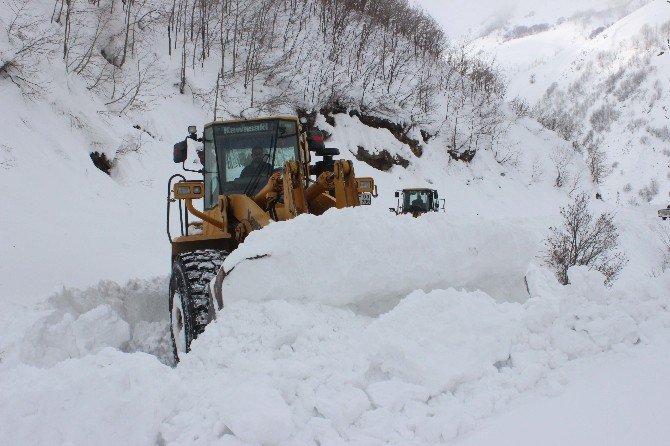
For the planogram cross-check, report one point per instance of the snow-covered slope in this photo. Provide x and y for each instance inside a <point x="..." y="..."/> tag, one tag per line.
<point x="599" y="79"/>
<point x="56" y="113"/>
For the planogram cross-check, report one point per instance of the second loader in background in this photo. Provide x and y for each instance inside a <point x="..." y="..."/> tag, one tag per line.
<point x="417" y="201"/>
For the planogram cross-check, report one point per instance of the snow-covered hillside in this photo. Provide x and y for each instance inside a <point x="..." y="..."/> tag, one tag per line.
<point x="599" y="78"/>
<point x="59" y="107"/>
<point x="356" y="327"/>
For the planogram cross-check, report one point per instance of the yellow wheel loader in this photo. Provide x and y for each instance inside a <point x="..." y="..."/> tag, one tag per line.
<point x="254" y="171"/>
<point x="417" y="202"/>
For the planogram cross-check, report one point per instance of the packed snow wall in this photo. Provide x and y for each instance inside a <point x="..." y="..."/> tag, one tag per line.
<point x="369" y="259"/>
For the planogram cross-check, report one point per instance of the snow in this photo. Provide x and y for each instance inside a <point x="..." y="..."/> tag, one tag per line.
<point x="466" y="22"/>
<point x="612" y="56"/>
<point x="356" y="327"/>
<point x="83" y="401"/>
<point x="307" y="363"/>
<point x="618" y="399"/>
<point x="386" y="330"/>
<point x="75" y="323"/>
<point x="385" y="259"/>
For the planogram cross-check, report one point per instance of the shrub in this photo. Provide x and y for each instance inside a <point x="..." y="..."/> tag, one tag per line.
<point x="520" y="107"/>
<point x="583" y="240"/>
<point x="561" y="157"/>
<point x="662" y="133"/>
<point x="602" y="118"/>
<point x="520" y="31"/>
<point x="631" y="85"/>
<point x="596" y="161"/>
<point x="648" y="192"/>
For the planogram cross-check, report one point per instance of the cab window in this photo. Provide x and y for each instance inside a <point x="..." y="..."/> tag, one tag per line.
<point x="418" y="200"/>
<point x="249" y="152"/>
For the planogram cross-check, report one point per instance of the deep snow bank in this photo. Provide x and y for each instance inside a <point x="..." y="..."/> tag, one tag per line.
<point x="589" y="412"/>
<point x="369" y="259"/>
<point x="324" y="340"/>
<point x="422" y="373"/>
<point x="75" y="323"/>
<point x="361" y="258"/>
<point x="290" y="372"/>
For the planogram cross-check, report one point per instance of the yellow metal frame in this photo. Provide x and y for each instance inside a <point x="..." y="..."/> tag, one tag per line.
<point x="236" y="215"/>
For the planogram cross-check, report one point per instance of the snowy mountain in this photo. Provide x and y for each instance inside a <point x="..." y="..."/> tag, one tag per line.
<point x="465" y="22"/>
<point x="597" y="76"/>
<point x="359" y="326"/>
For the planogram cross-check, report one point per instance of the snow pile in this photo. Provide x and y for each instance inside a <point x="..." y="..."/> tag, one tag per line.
<point x="76" y="323"/>
<point x="369" y="266"/>
<point x="110" y="398"/>
<point x="379" y="258"/>
<point x="286" y="371"/>
<point x="422" y="373"/>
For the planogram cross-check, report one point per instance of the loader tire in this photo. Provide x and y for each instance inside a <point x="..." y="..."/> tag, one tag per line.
<point x="189" y="302"/>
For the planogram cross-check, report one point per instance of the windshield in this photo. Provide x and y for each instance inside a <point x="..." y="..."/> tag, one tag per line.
<point x="418" y="201"/>
<point x="249" y="152"/>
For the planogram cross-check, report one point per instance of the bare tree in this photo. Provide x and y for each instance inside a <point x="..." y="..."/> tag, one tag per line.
<point x="132" y="91"/>
<point x="30" y="40"/>
<point x="381" y="57"/>
<point x="664" y="239"/>
<point x="554" y="112"/>
<point x="583" y="240"/>
<point x="596" y="161"/>
<point x="537" y="171"/>
<point x="520" y="107"/>
<point x="596" y="158"/>
<point x="648" y="192"/>
<point x="562" y="159"/>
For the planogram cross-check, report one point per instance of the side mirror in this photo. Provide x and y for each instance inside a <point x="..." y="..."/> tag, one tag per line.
<point x="392" y="209"/>
<point x="397" y="194"/>
<point x="179" y="152"/>
<point x="435" y="194"/>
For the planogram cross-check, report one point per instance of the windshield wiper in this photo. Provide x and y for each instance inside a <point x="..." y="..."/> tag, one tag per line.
<point x="253" y="182"/>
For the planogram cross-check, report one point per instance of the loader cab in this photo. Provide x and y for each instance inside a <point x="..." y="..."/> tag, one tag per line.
<point x="417" y="201"/>
<point x="420" y="200"/>
<point x="240" y="156"/>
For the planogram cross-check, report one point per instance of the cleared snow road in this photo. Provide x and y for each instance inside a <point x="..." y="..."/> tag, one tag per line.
<point x="616" y="399"/>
